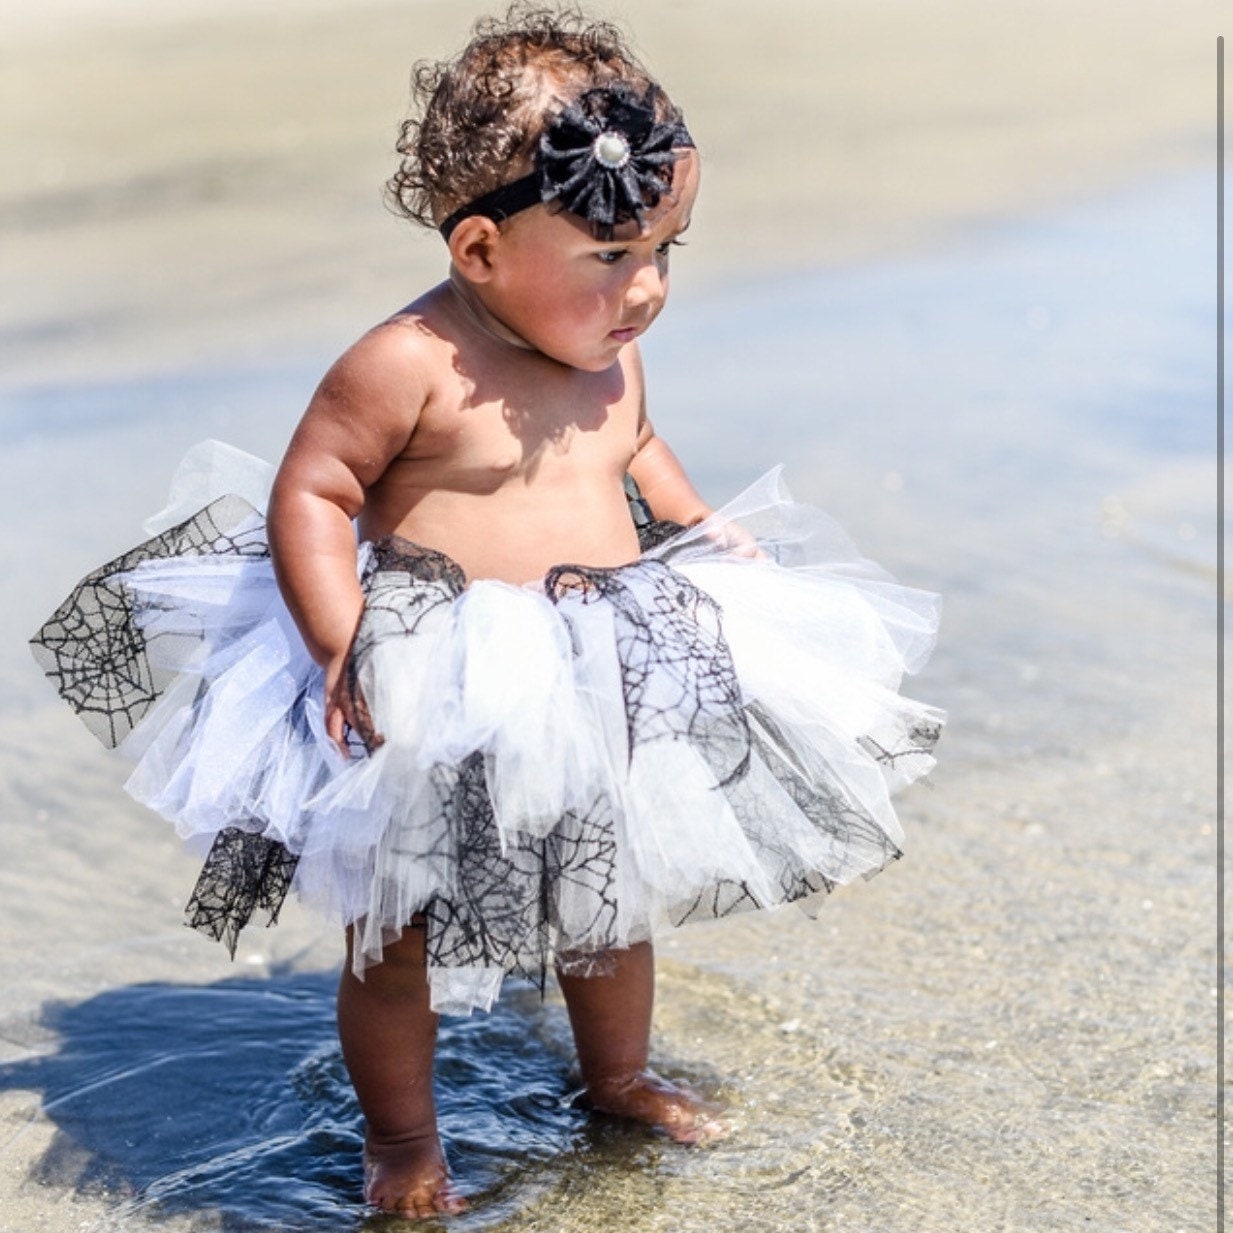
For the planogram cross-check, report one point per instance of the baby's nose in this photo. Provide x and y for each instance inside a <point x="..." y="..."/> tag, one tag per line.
<point x="648" y="286"/>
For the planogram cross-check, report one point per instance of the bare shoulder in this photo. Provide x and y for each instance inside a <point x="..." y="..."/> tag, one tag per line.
<point x="389" y="372"/>
<point x="369" y="402"/>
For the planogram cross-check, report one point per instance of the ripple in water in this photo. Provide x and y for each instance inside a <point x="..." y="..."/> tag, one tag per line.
<point x="230" y="1102"/>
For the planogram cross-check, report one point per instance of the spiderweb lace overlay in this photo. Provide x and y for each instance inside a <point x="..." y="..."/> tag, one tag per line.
<point x="917" y="742"/>
<point x="677" y="675"/>
<point x="510" y="902"/>
<point x="403" y="582"/>
<point x="94" y="652"/>
<point x="856" y="838"/>
<point x="531" y="902"/>
<point x="244" y="874"/>
<point x="506" y="912"/>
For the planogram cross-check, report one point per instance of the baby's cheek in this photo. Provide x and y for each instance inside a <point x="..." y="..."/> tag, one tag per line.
<point x="587" y="314"/>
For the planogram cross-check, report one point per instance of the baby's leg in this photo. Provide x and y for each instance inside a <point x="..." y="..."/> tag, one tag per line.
<point x="389" y="1034"/>
<point x="611" y="1018"/>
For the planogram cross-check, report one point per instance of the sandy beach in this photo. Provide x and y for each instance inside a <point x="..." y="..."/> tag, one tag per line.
<point x="956" y="259"/>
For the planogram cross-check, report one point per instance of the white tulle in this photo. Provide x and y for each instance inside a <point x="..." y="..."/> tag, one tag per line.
<point x="209" y="470"/>
<point x="820" y="639"/>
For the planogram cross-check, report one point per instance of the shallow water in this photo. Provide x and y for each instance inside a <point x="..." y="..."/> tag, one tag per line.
<point x="1011" y="1029"/>
<point x="240" y="1083"/>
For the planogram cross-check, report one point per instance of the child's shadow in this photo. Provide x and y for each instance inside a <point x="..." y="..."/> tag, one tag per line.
<point x="232" y="1099"/>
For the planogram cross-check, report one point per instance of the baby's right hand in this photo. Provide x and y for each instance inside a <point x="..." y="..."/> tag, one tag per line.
<point x="345" y="708"/>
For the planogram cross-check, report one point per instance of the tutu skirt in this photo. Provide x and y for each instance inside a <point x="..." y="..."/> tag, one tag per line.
<point x="554" y="770"/>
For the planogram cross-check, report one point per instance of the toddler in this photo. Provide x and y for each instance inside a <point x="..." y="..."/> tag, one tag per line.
<point x="515" y="728"/>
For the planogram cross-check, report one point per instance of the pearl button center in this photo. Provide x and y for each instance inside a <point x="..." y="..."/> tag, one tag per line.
<point x="611" y="150"/>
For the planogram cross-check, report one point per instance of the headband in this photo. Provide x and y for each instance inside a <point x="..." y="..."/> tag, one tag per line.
<point x="604" y="158"/>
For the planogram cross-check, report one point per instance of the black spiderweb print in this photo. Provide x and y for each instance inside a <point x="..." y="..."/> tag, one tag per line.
<point x="507" y="911"/>
<point x="244" y="874"/>
<point x="677" y="674"/>
<point x="403" y="582"/>
<point x="92" y="649"/>
<point x="917" y="742"/>
<point x="523" y="907"/>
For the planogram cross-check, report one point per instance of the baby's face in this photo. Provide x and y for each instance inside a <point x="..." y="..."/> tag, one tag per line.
<point x="578" y="299"/>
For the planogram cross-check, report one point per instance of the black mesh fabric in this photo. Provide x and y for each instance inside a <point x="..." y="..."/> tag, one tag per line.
<point x="677" y="682"/>
<point x="94" y="652"/>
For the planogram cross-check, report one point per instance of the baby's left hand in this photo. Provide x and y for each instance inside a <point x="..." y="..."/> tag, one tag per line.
<point x="733" y="538"/>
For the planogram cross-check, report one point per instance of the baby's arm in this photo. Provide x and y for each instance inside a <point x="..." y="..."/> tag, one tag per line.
<point x="359" y="419"/>
<point x="656" y="469"/>
<point x="666" y="488"/>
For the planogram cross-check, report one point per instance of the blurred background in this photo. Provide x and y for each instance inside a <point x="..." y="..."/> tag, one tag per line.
<point x="187" y="183"/>
<point x="954" y="264"/>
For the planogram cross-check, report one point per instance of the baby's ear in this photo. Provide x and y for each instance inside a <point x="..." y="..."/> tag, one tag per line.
<point x="471" y="245"/>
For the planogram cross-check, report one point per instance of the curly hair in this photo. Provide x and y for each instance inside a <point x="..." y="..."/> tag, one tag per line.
<point x="475" y="119"/>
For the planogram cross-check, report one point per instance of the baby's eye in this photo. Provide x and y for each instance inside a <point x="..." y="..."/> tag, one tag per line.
<point x="663" y="249"/>
<point x="612" y="255"/>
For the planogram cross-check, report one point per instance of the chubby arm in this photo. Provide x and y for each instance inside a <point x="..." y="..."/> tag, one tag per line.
<point x="656" y="469"/>
<point x="666" y="488"/>
<point x="360" y="418"/>
<point x="662" y="481"/>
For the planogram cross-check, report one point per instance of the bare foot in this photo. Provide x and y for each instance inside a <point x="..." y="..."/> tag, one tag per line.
<point x="676" y="1110"/>
<point x="410" y="1178"/>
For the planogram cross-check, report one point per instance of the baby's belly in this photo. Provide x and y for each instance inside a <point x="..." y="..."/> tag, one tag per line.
<point x="517" y="534"/>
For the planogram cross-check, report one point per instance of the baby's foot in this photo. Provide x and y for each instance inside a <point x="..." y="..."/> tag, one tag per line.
<point x="676" y="1110"/>
<point x="410" y="1178"/>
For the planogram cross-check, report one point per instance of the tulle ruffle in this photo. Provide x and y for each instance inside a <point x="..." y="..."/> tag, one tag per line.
<point x="563" y="768"/>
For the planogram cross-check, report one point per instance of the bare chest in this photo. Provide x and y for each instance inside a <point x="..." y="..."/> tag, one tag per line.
<point x="472" y="439"/>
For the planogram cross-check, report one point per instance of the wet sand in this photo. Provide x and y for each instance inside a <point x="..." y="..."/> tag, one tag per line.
<point x="1012" y="1028"/>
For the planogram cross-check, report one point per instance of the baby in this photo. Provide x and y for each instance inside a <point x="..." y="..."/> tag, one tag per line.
<point x="494" y="419"/>
<point x="532" y="717"/>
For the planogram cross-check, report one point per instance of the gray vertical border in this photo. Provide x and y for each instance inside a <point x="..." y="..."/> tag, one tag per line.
<point x="1220" y="1110"/>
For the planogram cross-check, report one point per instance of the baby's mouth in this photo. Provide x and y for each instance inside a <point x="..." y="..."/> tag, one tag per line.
<point x="627" y="332"/>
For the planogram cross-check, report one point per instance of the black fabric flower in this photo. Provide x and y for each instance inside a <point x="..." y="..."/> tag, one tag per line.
<point x="606" y="159"/>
